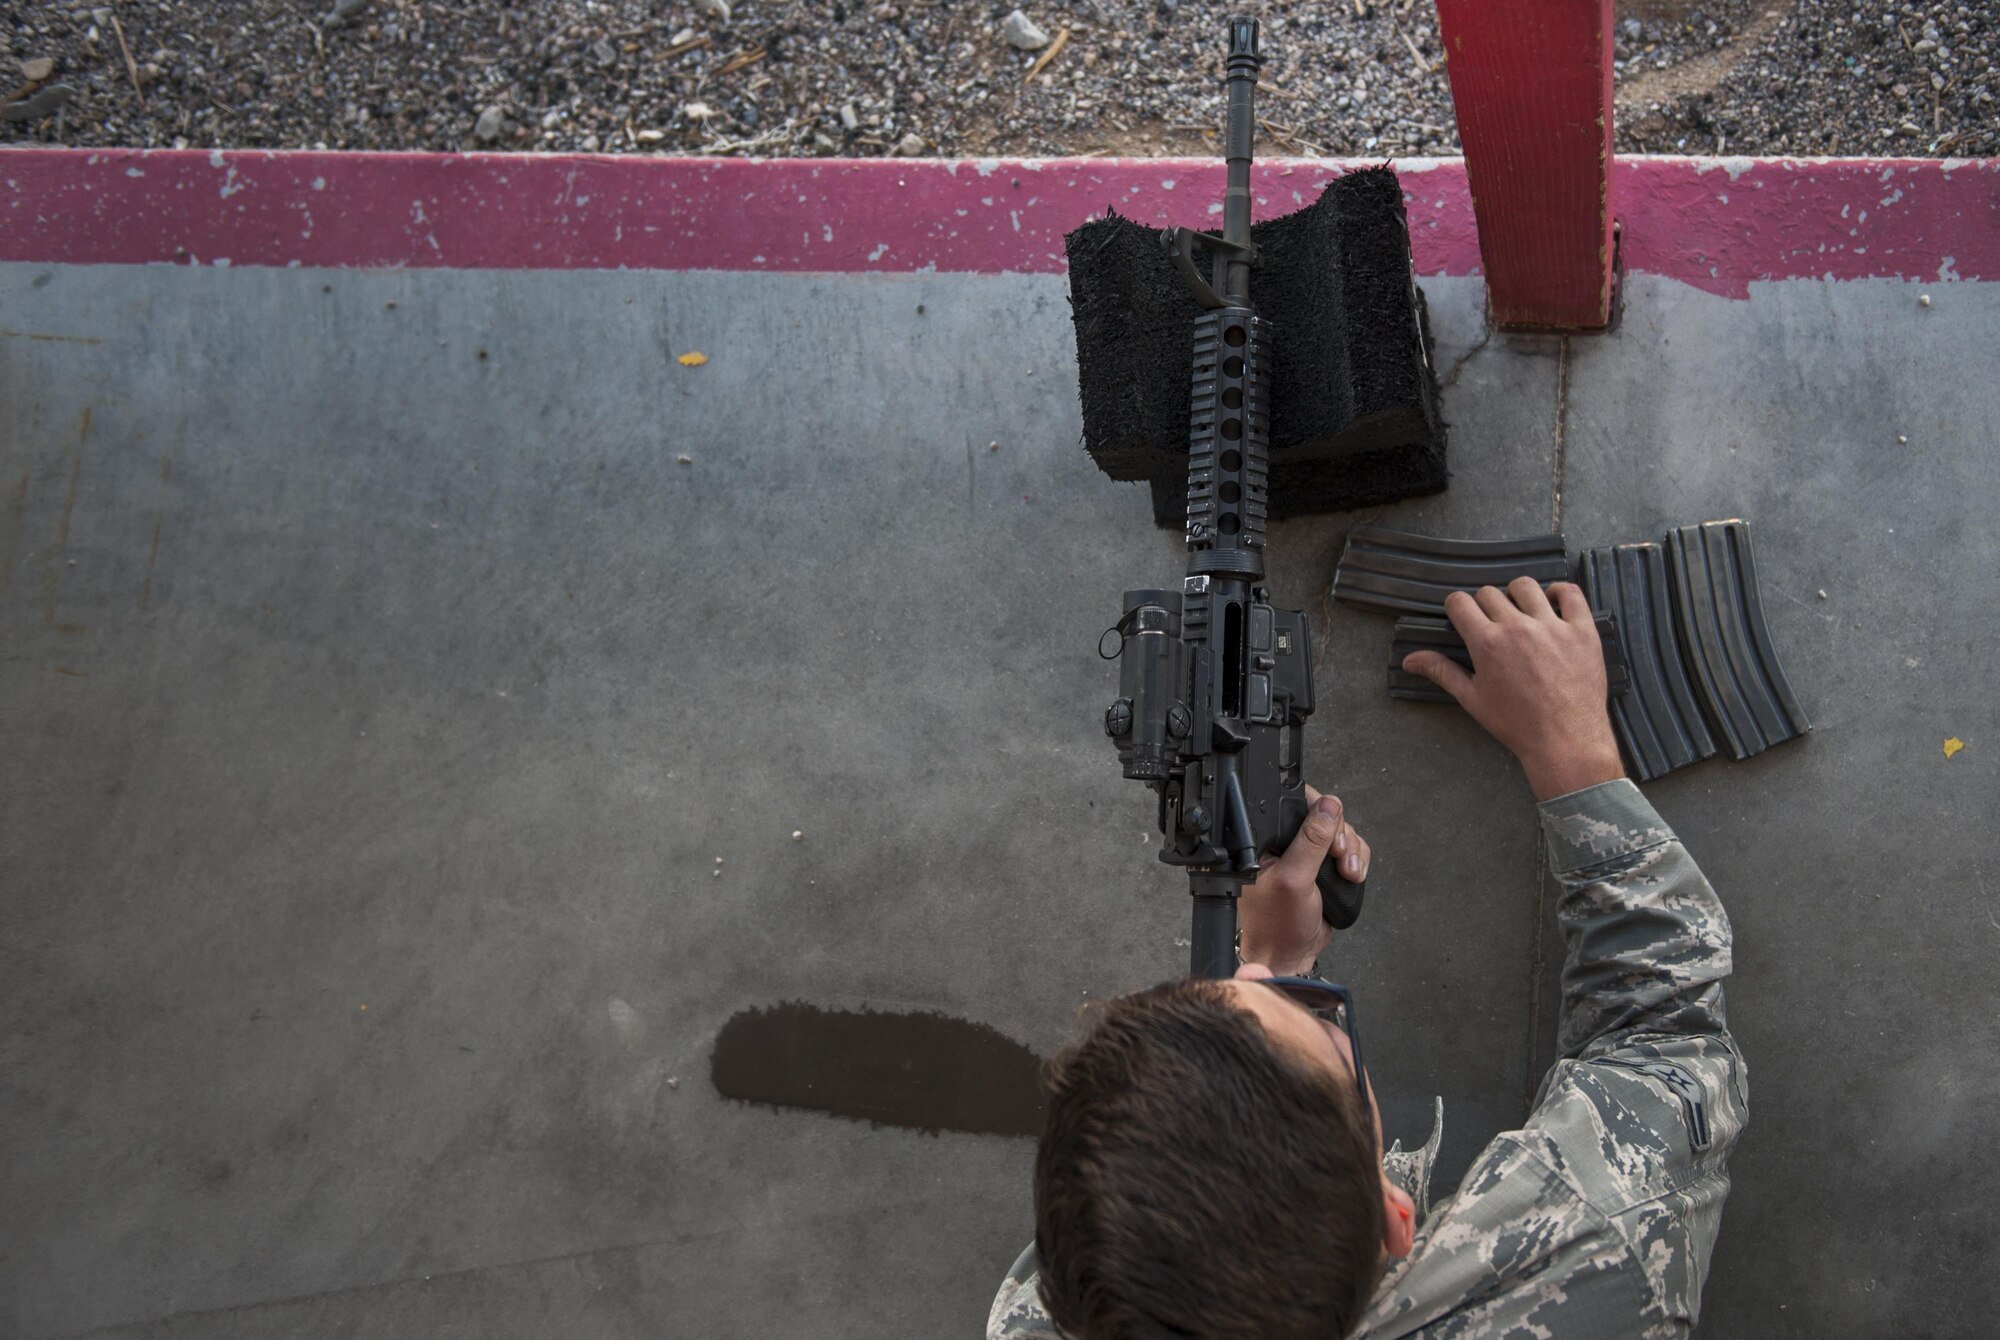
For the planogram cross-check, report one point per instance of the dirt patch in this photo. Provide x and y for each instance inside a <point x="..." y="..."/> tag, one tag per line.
<point x="1826" y="77"/>
<point x="1700" y="73"/>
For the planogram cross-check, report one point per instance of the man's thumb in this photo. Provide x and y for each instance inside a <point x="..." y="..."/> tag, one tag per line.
<point x="1440" y="670"/>
<point x="1317" y="833"/>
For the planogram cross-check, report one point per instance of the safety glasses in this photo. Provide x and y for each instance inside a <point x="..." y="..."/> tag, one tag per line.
<point x="1332" y="1004"/>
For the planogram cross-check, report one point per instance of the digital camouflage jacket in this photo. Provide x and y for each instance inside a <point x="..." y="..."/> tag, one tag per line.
<point x="1597" y="1218"/>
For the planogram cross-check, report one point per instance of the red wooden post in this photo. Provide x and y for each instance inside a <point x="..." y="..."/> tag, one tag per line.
<point x="1531" y="81"/>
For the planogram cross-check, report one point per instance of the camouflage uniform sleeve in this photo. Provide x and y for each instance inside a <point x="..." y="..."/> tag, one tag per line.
<point x="1647" y="941"/>
<point x="1645" y="1105"/>
<point x="1599" y="1216"/>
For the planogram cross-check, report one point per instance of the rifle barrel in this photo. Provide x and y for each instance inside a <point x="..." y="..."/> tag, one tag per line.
<point x="1233" y="266"/>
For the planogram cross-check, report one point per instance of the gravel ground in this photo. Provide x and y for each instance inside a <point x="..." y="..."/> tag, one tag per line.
<point x="1905" y="81"/>
<point x="930" y="77"/>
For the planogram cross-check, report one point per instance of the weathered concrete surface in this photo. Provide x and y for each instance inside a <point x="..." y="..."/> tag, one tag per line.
<point x="445" y="684"/>
<point x="1860" y="866"/>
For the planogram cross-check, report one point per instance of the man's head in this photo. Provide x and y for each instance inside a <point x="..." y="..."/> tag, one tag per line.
<point x="1209" y="1168"/>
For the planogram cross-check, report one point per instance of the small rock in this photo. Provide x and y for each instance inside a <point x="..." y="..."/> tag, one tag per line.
<point x="714" y="9"/>
<point x="698" y="111"/>
<point x="686" y="459"/>
<point x="1822" y="595"/>
<point x="342" y="11"/>
<point x="37" y="105"/>
<point x="552" y="117"/>
<point x="684" y="35"/>
<point x="1910" y="128"/>
<point x="1021" y="33"/>
<point x="491" y="123"/>
<point x="1924" y="48"/>
<point x="38" y="69"/>
<point x="603" y="52"/>
<point x="673" y="1081"/>
<point x="993" y="446"/>
<point x="590" y="143"/>
<point x="824" y="142"/>
<point x="798" y="835"/>
<point x="102" y="18"/>
<point x="1902" y="440"/>
<point x="849" y="118"/>
<point x="1923" y="300"/>
<point x="1634" y="29"/>
<point x="650" y="136"/>
<point x="910" y="146"/>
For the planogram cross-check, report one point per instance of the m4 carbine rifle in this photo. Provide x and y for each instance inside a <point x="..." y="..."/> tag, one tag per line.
<point x="1215" y="684"/>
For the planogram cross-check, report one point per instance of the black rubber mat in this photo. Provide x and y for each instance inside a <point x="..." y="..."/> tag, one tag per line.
<point x="1720" y="618"/>
<point x="1419" y="633"/>
<point x="1412" y="574"/>
<point x="1659" y="723"/>
<point x="1355" y="415"/>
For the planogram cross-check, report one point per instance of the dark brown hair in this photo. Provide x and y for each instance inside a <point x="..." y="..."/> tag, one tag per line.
<point x="1195" y="1180"/>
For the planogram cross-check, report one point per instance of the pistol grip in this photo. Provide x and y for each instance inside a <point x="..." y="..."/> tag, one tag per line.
<point x="1339" y="901"/>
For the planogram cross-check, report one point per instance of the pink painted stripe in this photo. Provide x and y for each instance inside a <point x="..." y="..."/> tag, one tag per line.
<point x="508" y="211"/>
<point x="1721" y="224"/>
<point x="1716" y="225"/>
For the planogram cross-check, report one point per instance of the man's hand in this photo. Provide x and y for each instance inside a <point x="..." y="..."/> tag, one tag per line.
<point x="1537" y="683"/>
<point x="1280" y="914"/>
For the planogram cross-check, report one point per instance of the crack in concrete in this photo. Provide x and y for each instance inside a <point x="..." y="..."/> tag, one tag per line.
<point x="1562" y="434"/>
<point x="1537" y="963"/>
<point x="1538" y="941"/>
<point x="1458" y="366"/>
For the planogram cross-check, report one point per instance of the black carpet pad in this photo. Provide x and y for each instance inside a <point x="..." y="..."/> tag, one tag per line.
<point x="1355" y="417"/>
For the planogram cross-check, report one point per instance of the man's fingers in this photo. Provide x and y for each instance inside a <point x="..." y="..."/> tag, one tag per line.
<point x="1440" y="670"/>
<point x="1465" y="614"/>
<point x="1573" y="604"/>
<point x="1345" y="839"/>
<point x="1495" y="603"/>
<point x="1354" y="864"/>
<point x="1527" y="596"/>
<point x="1315" y="837"/>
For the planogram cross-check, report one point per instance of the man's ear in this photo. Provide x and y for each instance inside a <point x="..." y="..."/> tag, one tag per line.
<point x="1399" y="1220"/>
